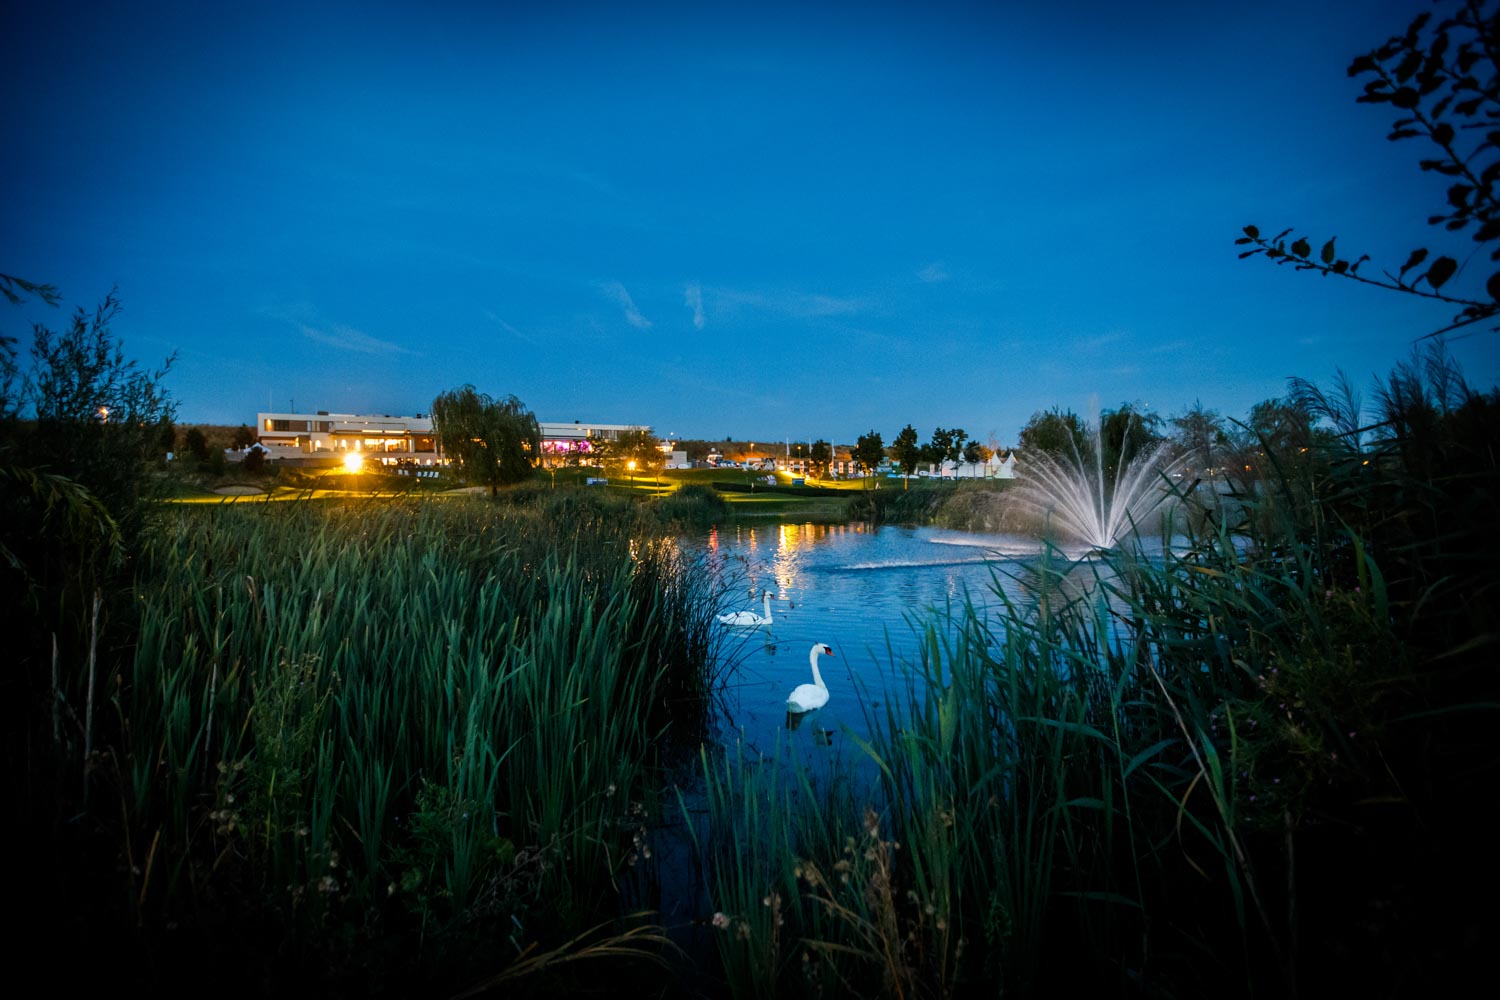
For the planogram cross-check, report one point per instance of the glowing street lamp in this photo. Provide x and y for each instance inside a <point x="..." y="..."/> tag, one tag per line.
<point x="353" y="462"/>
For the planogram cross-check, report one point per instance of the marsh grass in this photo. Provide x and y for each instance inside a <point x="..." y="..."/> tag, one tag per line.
<point x="1203" y="771"/>
<point x="374" y="734"/>
<point x="420" y="745"/>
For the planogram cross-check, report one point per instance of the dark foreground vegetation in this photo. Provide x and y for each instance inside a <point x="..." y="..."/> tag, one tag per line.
<point x="420" y="747"/>
<point x="358" y="747"/>
<point x="1260" y="767"/>
<point x="423" y="746"/>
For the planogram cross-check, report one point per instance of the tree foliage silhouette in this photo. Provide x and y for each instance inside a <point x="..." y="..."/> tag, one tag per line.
<point x="1443" y="78"/>
<point x="906" y="452"/>
<point x="868" y="451"/>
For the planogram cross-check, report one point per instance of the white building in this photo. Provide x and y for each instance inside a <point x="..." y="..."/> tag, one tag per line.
<point x="380" y="437"/>
<point x="561" y="441"/>
<point x="393" y="439"/>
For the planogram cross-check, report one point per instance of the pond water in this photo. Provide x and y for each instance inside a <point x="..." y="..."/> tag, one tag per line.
<point x="860" y="589"/>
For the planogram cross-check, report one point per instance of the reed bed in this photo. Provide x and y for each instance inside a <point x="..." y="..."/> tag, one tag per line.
<point x="384" y="740"/>
<point x="1200" y="773"/>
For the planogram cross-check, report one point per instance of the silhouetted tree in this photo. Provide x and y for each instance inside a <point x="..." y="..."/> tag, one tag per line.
<point x="639" y="445"/>
<point x="77" y="430"/>
<point x="96" y="415"/>
<point x="906" y="453"/>
<point x="15" y="289"/>
<point x="243" y="438"/>
<point x="936" y="450"/>
<point x="195" y="443"/>
<point x="821" y="454"/>
<point x="1444" y="80"/>
<point x="1201" y="434"/>
<point x="166" y="436"/>
<point x="868" y="451"/>
<point x="977" y="453"/>
<point x="1056" y="432"/>
<point x="1125" y="432"/>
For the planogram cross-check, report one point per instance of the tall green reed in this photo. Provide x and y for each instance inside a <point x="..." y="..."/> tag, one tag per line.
<point x="1092" y="785"/>
<point x="398" y="718"/>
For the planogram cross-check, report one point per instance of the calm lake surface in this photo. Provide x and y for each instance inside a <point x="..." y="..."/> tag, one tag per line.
<point x="858" y="588"/>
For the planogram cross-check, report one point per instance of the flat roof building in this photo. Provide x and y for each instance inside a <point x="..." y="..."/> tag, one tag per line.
<point x="381" y="437"/>
<point x="397" y="439"/>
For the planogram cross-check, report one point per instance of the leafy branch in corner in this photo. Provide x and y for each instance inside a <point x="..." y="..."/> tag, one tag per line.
<point x="1446" y="80"/>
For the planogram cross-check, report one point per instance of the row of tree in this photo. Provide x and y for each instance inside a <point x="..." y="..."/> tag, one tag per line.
<point x="496" y="442"/>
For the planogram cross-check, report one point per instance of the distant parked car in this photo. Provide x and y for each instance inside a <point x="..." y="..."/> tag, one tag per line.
<point x="596" y="481"/>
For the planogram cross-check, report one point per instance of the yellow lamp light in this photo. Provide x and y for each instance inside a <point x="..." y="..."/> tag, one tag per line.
<point x="353" y="462"/>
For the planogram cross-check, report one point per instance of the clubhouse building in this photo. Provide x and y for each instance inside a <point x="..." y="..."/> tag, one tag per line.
<point x="321" y="438"/>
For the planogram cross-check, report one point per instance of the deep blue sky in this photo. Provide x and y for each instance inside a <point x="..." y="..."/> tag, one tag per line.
<point x="756" y="220"/>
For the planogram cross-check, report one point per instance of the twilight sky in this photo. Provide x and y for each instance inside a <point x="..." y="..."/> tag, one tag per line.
<point x="755" y="220"/>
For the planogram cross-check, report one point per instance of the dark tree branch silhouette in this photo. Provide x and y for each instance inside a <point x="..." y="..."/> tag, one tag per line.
<point x="1446" y="79"/>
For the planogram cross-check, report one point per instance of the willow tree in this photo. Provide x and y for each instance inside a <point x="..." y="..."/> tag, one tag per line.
<point x="493" y="442"/>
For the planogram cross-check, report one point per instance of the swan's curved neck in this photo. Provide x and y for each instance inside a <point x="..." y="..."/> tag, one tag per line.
<point x="768" y="605"/>
<point x="813" y="659"/>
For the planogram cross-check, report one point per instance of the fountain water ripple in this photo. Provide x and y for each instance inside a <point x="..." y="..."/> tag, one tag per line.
<point x="1082" y="503"/>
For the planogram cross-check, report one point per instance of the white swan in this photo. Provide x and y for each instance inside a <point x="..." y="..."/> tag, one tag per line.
<point x="748" y="619"/>
<point x="806" y="697"/>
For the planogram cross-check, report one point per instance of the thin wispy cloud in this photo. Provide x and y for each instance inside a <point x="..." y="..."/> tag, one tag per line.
<point x="304" y="317"/>
<point x="797" y="305"/>
<point x="349" y="339"/>
<point x="934" y="273"/>
<point x="616" y="293"/>
<point x="693" y="299"/>
<point x="493" y="317"/>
